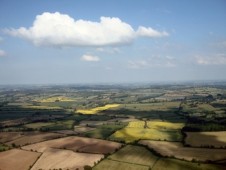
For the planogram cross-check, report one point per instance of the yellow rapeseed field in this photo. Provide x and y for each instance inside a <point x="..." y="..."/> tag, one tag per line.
<point x="155" y="130"/>
<point x="41" y="107"/>
<point x="97" y="109"/>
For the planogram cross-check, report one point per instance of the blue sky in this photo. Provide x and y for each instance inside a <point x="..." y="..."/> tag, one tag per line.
<point x="99" y="41"/>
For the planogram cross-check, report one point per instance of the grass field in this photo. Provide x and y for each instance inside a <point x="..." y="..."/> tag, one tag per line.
<point x="65" y="159"/>
<point x="173" y="164"/>
<point x="17" y="159"/>
<point x="103" y="131"/>
<point x="97" y="109"/>
<point x="129" y="157"/>
<point x="177" y="150"/>
<point x="113" y="165"/>
<point x="206" y="139"/>
<point x="134" y="155"/>
<point x="51" y="125"/>
<point x="155" y="130"/>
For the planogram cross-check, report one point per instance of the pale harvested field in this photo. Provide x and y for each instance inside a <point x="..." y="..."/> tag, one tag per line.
<point x="177" y="150"/>
<point x="17" y="159"/>
<point x="82" y="129"/>
<point x="30" y="138"/>
<point x="74" y="143"/>
<point x="9" y="136"/>
<point x="65" y="159"/>
<point x="206" y="139"/>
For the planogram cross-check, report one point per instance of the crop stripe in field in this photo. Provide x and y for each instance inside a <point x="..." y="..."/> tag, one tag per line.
<point x="155" y="162"/>
<point x="127" y="162"/>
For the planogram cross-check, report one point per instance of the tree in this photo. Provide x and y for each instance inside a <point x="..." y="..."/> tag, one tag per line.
<point x="87" y="167"/>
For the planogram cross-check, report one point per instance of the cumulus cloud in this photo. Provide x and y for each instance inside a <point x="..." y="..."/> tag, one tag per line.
<point x="150" y="32"/>
<point x="56" y="29"/>
<point x="217" y="59"/>
<point x="90" y="58"/>
<point x="2" y="53"/>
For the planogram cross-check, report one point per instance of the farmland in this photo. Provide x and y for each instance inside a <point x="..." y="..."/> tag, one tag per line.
<point x="17" y="158"/>
<point x="97" y="109"/>
<point x="55" y="159"/>
<point x="206" y="139"/>
<point x="76" y="144"/>
<point x="177" y="150"/>
<point x="113" y="127"/>
<point x="155" y="130"/>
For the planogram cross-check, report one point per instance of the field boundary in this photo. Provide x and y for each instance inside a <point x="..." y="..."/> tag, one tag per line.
<point x="127" y="162"/>
<point x="36" y="160"/>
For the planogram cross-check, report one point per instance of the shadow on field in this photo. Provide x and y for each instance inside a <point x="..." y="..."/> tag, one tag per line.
<point x="205" y="139"/>
<point x="18" y="115"/>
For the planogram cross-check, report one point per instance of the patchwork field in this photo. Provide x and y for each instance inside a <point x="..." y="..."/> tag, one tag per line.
<point x="17" y="159"/>
<point x="65" y="159"/>
<point x="206" y="139"/>
<point x="177" y="150"/>
<point x="97" y="109"/>
<point x="33" y="137"/>
<point x="154" y="130"/>
<point x="150" y="119"/>
<point x="76" y="144"/>
<point x="133" y="157"/>
<point x="129" y="157"/>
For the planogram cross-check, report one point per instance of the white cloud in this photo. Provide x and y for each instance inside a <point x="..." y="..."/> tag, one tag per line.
<point x="218" y="59"/>
<point x="138" y="64"/>
<point x="150" y="32"/>
<point x="2" y="53"/>
<point x="108" y="50"/>
<point x="152" y="62"/>
<point x="90" y="58"/>
<point x="56" y="29"/>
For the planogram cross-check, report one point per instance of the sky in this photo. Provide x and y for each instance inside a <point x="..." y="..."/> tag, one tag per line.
<point x="114" y="41"/>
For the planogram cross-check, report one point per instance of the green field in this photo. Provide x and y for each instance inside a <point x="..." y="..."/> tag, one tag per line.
<point x="104" y="131"/>
<point x="137" y="157"/>
<point x="113" y="165"/>
<point x="173" y="164"/>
